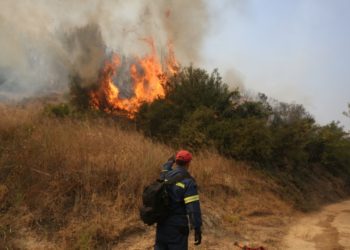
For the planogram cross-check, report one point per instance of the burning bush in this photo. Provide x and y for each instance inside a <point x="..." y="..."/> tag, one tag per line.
<point x="125" y="83"/>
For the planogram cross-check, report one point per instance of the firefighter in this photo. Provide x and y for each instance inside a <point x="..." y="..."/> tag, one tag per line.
<point x="173" y="232"/>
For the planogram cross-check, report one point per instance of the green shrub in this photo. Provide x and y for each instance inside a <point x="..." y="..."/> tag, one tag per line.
<point x="60" y="110"/>
<point x="199" y="111"/>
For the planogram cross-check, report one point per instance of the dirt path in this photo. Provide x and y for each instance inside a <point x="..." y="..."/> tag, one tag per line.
<point x="328" y="229"/>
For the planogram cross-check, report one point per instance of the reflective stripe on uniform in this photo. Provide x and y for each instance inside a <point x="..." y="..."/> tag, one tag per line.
<point x="180" y="184"/>
<point x="192" y="198"/>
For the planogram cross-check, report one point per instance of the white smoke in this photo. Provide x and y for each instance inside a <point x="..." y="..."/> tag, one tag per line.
<point x="43" y="42"/>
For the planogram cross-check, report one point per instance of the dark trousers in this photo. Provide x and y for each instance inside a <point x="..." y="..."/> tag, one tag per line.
<point x="170" y="237"/>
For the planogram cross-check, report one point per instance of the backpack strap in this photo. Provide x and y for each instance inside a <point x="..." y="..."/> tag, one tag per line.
<point x="178" y="178"/>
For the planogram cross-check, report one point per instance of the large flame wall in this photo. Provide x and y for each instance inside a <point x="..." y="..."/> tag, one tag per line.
<point x="148" y="79"/>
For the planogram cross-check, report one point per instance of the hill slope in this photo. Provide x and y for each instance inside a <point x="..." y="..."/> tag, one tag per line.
<point x="76" y="184"/>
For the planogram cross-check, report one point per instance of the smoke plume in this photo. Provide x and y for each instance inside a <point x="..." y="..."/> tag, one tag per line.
<point x="43" y="43"/>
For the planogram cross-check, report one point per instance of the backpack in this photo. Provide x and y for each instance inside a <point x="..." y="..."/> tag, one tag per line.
<point x="156" y="200"/>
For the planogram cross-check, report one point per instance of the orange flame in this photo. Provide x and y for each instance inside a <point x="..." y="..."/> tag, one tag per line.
<point x="148" y="78"/>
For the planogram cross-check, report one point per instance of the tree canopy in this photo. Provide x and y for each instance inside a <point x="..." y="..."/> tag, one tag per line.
<point x="199" y="111"/>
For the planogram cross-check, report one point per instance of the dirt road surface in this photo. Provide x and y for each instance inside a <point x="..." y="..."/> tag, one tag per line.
<point x="328" y="229"/>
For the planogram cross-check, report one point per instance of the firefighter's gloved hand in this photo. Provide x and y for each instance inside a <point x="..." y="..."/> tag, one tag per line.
<point x="172" y="158"/>
<point x="197" y="236"/>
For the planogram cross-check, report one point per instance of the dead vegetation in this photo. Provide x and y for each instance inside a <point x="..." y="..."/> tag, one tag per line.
<point x="76" y="184"/>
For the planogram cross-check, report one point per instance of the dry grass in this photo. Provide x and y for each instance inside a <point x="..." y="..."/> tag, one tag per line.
<point x="76" y="184"/>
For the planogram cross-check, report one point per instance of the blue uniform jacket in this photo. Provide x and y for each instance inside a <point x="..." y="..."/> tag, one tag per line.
<point x="184" y="199"/>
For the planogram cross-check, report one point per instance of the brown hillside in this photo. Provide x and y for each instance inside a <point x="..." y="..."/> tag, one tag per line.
<point x="76" y="184"/>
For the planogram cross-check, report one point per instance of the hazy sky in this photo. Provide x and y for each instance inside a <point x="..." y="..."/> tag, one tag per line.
<point x="292" y="50"/>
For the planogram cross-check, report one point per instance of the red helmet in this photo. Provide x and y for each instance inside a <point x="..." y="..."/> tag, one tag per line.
<point x="184" y="155"/>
